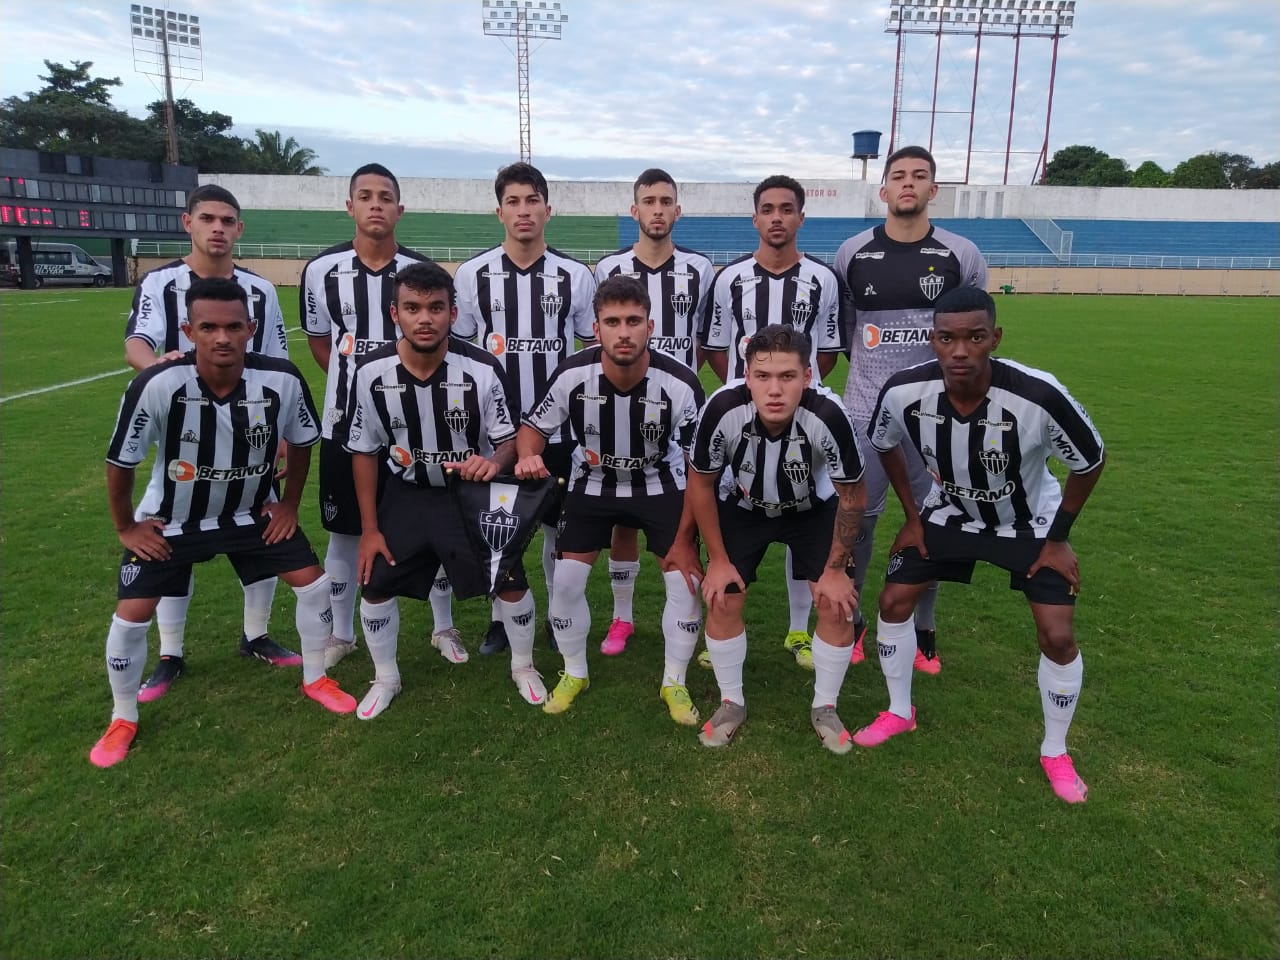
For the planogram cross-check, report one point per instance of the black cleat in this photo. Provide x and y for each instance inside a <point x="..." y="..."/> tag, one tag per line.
<point x="157" y="685"/>
<point x="495" y="639"/>
<point x="267" y="650"/>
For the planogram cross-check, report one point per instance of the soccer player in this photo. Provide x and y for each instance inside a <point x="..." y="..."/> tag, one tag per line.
<point x="346" y="295"/>
<point x="215" y="416"/>
<point x="524" y="302"/>
<point x="778" y="284"/>
<point x="790" y="454"/>
<point x="420" y="406"/>
<point x="156" y="323"/>
<point x="985" y="428"/>
<point x="894" y="273"/>
<point x="630" y="411"/>
<point x="679" y="282"/>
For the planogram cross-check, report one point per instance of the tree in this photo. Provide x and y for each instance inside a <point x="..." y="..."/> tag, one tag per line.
<point x="1201" y="172"/>
<point x="1236" y="167"/>
<point x="203" y="140"/>
<point x="73" y="114"/>
<point x="1149" y="174"/>
<point x="1265" y="178"/>
<point x="1068" y="166"/>
<point x="272" y="154"/>
<point x="1109" y="172"/>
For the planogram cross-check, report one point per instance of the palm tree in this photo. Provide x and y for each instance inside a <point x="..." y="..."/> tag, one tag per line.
<point x="274" y="154"/>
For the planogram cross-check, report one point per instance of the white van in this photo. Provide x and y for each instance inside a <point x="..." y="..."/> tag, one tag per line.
<point x="54" y="263"/>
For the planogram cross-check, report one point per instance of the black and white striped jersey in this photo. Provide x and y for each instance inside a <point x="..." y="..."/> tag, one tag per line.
<point x="893" y="287"/>
<point x="160" y="309"/>
<point x="215" y="457"/>
<point x="344" y="300"/>
<point x="629" y="444"/>
<point x="747" y="297"/>
<point x="424" y="426"/>
<point x="990" y="467"/>
<point x="680" y="293"/>
<point x="526" y="318"/>
<point x="775" y="475"/>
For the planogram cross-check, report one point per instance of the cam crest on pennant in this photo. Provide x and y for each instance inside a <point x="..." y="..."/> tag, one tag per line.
<point x="498" y="527"/>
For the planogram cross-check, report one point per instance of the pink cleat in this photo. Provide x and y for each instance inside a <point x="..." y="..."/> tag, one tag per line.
<point x="883" y="727"/>
<point x="1063" y="778"/>
<point x="615" y="641"/>
<point x="329" y="695"/>
<point x="115" y="743"/>
<point x="931" y="666"/>
<point x="859" y="634"/>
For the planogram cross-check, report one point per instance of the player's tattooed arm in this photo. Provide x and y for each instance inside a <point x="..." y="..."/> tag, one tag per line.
<point x="849" y="512"/>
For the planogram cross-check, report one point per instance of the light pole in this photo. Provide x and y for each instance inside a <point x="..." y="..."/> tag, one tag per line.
<point x="166" y="44"/>
<point x="521" y="20"/>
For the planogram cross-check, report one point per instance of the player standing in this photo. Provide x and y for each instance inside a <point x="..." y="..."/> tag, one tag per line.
<point x="346" y="296"/>
<point x="630" y="411"/>
<point x="524" y="302"/>
<point x="789" y="448"/>
<point x="778" y="284"/>
<point x="679" y="283"/>
<point x="216" y="416"/>
<point x="420" y="406"/>
<point x="894" y="273"/>
<point x="985" y="428"/>
<point x="156" y="321"/>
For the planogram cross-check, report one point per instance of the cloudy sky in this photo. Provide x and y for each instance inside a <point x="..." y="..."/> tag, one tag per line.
<point x="710" y="89"/>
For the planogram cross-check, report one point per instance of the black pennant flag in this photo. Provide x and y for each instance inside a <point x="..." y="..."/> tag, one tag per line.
<point x="500" y="518"/>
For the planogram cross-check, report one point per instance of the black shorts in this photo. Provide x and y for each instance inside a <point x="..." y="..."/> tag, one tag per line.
<point x="423" y="529"/>
<point x="954" y="553"/>
<point x="587" y="522"/>
<point x="339" y="510"/>
<point x="748" y="533"/>
<point x="252" y="558"/>
<point x="558" y="458"/>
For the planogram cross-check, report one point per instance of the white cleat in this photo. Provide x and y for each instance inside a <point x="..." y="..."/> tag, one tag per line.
<point x="449" y="643"/>
<point x="529" y="682"/>
<point x="379" y="697"/>
<point x="335" y="650"/>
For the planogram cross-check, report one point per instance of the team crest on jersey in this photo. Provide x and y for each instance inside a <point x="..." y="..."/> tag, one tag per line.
<point x="457" y="419"/>
<point x="801" y="312"/>
<point x="551" y="304"/>
<point x="995" y="461"/>
<point x="498" y="527"/>
<point x="129" y="573"/>
<point x="681" y="304"/>
<point x="651" y="430"/>
<point x="190" y="437"/>
<point x="932" y="285"/>
<point x="258" y="435"/>
<point x="797" y="470"/>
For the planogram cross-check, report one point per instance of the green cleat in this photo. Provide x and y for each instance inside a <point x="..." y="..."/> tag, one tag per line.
<point x="679" y="705"/>
<point x="563" y="695"/>
<point x="800" y="645"/>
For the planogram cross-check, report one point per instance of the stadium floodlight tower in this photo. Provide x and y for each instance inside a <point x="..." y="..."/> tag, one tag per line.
<point x="520" y="20"/>
<point x="1052" y="19"/>
<point x="166" y="44"/>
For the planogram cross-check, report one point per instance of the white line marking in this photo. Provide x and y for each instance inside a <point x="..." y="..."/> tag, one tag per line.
<point x="69" y="383"/>
<point x="37" y="303"/>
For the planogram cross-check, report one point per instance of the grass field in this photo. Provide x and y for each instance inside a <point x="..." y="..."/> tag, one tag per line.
<point x="247" y="822"/>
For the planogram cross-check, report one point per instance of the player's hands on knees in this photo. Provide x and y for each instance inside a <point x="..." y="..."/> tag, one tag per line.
<point x="1058" y="555"/>
<point x="478" y="468"/>
<point x="531" y="468"/>
<point x="833" y="590"/>
<point x="372" y="545"/>
<point x="144" y="538"/>
<point x="720" y="574"/>
<point x="282" y="521"/>
<point x="683" y="557"/>
<point x="911" y="535"/>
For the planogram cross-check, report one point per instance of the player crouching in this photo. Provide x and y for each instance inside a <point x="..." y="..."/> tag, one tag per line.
<point x="216" y="417"/>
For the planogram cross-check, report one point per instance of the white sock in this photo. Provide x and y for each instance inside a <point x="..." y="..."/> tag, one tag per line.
<point x="829" y="666"/>
<point x="570" y="615"/>
<point x="622" y="577"/>
<point x="313" y="617"/>
<point x="441" y="602"/>
<point x="495" y="611"/>
<point x="896" y="644"/>
<point x="126" y="659"/>
<point x="257" y="606"/>
<point x="925" y="607"/>
<point x="799" y="600"/>
<point x="517" y="617"/>
<point x="727" y="657"/>
<point x="549" y="561"/>
<point x="171" y="620"/>
<point x="1059" y="690"/>
<point x="381" y="624"/>
<point x="340" y="564"/>
<point x="681" y="622"/>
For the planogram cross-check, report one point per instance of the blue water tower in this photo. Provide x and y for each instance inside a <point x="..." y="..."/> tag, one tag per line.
<point x="866" y="146"/>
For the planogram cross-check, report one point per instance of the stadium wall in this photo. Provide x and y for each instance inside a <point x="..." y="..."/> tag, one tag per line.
<point x="825" y="198"/>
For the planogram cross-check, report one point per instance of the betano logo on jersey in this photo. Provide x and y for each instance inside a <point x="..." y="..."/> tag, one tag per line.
<point x="672" y="345"/>
<point x="430" y="457"/>
<point x="348" y="345"/>
<point x="497" y="344"/>
<point x="184" y="471"/>
<point x="610" y="462"/>
<point x="873" y="336"/>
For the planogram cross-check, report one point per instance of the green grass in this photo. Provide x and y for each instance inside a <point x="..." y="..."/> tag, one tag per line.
<point x="462" y="823"/>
